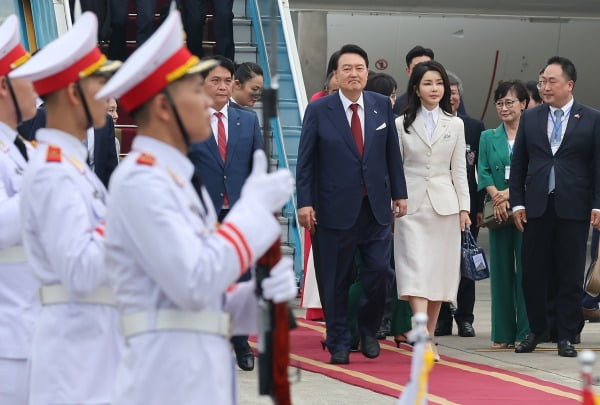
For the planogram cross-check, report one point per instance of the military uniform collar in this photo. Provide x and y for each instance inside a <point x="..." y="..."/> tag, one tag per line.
<point x="165" y="155"/>
<point x="67" y="142"/>
<point x="7" y="134"/>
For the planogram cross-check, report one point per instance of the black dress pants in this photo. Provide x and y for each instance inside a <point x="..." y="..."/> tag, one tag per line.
<point x="554" y="252"/>
<point x="194" y="17"/>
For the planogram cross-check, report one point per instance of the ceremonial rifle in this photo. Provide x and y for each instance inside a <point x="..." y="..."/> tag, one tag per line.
<point x="275" y="320"/>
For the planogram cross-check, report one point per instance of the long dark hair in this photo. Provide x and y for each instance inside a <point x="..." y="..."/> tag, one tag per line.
<point x="414" y="102"/>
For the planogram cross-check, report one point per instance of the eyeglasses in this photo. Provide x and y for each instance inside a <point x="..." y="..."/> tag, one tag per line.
<point x="542" y="83"/>
<point x="507" y="103"/>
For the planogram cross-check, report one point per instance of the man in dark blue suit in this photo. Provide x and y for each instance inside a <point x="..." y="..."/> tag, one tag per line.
<point x="145" y="11"/>
<point x="194" y="18"/>
<point x="555" y="195"/>
<point x="224" y="161"/>
<point x="104" y="158"/>
<point x="349" y="181"/>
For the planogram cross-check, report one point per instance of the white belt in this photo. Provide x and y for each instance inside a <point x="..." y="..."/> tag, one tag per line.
<point x="14" y="254"/>
<point x="217" y="323"/>
<point x="58" y="294"/>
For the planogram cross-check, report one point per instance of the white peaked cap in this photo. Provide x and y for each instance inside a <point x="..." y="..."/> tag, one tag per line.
<point x="162" y="59"/>
<point x="12" y="53"/>
<point x="65" y="60"/>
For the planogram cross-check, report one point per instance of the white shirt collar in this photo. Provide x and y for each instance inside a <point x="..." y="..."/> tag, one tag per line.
<point x="346" y="101"/>
<point x="222" y="110"/>
<point x="7" y="133"/>
<point x="66" y="141"/>
<point x="566" y="108"/>
<point x="435" y="112"/>
<point x="165" y="154"/>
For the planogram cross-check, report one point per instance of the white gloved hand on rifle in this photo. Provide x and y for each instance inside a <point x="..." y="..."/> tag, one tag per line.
<point x="269" y="190"/>
<point x="280" y="286"/>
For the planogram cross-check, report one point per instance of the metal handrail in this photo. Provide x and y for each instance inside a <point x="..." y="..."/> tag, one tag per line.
<point x="255" y="15"/>
<point x="293" y="55"/>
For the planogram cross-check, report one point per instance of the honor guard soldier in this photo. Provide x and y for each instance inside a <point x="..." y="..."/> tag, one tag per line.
<point x="76" y="344"/>
<point x="174" y="270"/>
<point x="18" y="287"/>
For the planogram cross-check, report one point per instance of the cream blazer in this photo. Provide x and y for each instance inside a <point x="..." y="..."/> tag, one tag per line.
<point x="437" y="167"/>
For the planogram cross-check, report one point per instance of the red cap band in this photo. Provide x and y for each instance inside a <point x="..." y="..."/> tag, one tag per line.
<point x="69" y="75"/>
<point x="154" y="82"/>
<point x="6" y="63"/>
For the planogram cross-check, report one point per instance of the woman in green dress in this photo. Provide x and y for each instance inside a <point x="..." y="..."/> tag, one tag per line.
<point x="509" y="315"/>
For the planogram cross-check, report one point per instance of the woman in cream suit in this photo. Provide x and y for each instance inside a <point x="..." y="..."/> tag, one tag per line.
<point x="427" y="240"/>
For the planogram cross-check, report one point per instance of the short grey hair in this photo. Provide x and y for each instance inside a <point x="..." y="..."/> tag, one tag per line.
<point x="454" y="79"/>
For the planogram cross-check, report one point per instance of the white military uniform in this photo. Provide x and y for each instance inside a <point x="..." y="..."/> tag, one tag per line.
<point x="171" y="266"/>
<point x="75" y="345"/>
<point x="19" y="304"/>
<point x="163" y="253"/>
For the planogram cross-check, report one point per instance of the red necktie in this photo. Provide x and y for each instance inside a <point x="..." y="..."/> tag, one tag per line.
<point x="356" y="129"/>
<point x="222" y="137"/>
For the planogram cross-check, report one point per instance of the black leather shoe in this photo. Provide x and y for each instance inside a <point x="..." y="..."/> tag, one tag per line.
<point x="384" y="330"/>
<point x="341" y="357"/>
<point x="528" y="344"/>
<point x="566" y="349"/>
<point x="369" y="346"/>
<point x="465" y="329"/>
<point x="443" y="329"/>
<point x="245" y="358"/>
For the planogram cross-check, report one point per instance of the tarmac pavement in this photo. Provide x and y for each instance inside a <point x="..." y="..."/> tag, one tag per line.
<point x="316" y="389"/>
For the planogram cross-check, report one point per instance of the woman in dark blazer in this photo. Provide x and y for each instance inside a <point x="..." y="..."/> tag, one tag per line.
<point x="509" y="315"/>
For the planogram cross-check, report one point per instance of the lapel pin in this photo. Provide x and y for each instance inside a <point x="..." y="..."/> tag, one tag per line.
<point x="577" y="116"/>
<point x="237" y="123"/>
<point x="375" y="111"/>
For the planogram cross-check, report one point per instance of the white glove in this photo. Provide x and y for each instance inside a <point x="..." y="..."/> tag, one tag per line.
<point x="280" y="286"/>
<point x="270" y="190"/>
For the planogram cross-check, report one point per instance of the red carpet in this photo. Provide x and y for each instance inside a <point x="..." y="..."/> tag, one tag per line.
<point x="452" y="381"/>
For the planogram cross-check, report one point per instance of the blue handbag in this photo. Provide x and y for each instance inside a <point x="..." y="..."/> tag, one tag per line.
<point x="473" y="264"/>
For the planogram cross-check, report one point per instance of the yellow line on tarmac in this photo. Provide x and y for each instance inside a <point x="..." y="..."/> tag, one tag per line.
<point x="471" y="369"/>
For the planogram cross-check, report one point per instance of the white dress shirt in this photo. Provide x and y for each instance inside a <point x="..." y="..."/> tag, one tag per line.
<point x="550" y="128"/>
<point x="214" y="122"/>
<point x="566" y="109"/>
<point x="430" y="118"/>
<point x="361" y="110"/>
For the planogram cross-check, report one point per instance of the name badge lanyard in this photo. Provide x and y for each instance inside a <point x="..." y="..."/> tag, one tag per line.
<point x="562" y="120"/>
<point x="510" y="153"/>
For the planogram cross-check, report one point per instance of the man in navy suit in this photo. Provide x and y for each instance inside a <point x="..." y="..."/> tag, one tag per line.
<point x="103" y="157"/>
<point x="224" y="161"/>
<point x="194" y="18"/>
<point x="555" y="195"/>
<point x="145" y="11"/>
<point x="349" y="181"/>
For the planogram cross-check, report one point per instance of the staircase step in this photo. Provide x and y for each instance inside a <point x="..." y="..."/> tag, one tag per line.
<point x="242" y="29"/>
<point x="284" y="222"/>
<point x="239" y="8"/>
<point x="287" y="250"/>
